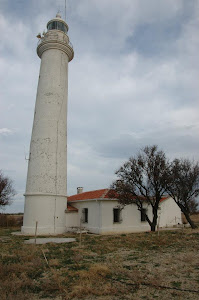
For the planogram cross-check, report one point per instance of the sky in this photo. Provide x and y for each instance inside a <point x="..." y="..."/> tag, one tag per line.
<point x="133" y="82"/>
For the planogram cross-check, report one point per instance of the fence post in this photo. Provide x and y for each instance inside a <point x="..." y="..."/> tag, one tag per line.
<point x="36" y="231"/>
<point x="158" y="225"/>
<point x="80" y="233"/>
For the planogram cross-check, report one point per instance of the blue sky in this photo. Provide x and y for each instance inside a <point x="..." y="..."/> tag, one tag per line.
<point x="133" y="82"/>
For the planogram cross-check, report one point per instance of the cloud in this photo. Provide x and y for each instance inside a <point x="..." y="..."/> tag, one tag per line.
<point x="176" y="141"/>
<point x="5" y="131"/>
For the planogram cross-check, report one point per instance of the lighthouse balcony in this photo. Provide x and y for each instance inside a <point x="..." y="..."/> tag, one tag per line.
<point x="43" y="39"/>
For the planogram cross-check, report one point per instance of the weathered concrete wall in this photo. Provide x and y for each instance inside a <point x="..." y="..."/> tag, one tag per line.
<point x="45" y="196"/>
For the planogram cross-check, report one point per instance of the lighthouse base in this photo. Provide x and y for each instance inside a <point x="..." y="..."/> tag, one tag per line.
<point x="44" y="214"/>
<point x="42" y="230"/>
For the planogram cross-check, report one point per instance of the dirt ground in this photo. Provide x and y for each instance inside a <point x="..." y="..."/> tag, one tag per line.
<point x="127" y="266"/>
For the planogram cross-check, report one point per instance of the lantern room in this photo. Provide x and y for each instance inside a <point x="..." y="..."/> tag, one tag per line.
<point x="57" y="24"/>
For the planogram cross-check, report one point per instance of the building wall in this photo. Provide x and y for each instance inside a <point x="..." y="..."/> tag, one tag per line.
<point x="169" y="213"/>
<point x="72" y="221"/>
<point x="100" y="217"/>
<point x="131" y="219"/>
<point x="94" y="211"/>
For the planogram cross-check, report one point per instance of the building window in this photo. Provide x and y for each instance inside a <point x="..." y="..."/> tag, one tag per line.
<point x="85" y="215"/>
<point x="117" y="215"/>
<point x="143" y="214"/>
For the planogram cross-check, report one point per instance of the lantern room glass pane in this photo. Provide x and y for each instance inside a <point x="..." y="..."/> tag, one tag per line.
<point x="57" y="25"/>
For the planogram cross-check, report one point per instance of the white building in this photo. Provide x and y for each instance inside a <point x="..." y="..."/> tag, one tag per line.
<point x="102" y="215"/>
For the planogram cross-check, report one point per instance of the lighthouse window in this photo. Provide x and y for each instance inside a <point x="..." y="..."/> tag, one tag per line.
<point x="58" y="26"/>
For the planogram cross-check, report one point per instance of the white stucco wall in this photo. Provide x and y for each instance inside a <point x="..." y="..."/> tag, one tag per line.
<point x="72" y="220"/>
<point x="100" y="216"/>
<point x="94" y="213"/>
<point x="169" y="213"/>
<point x="131" y="219"/>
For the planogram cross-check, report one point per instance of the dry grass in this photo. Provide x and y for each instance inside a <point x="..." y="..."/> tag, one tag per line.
<point x="8" y="220"/>
<point x="131" y="266"/>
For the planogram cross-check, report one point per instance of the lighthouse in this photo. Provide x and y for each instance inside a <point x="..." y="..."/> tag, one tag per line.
<point x="46" y="185"/>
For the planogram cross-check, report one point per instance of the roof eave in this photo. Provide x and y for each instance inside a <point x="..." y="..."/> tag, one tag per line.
<point x="96" y="199"/>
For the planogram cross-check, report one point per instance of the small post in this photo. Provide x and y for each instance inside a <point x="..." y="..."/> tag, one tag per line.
<point x="80" y="233"/>
<point x="36" y="231"/>
<point x="182" y="228"/>
<point x="45" y="257"/>
<point x="158" y="225"/>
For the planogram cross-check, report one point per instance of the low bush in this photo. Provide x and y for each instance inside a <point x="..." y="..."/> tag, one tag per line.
<point x="7" y="220"/>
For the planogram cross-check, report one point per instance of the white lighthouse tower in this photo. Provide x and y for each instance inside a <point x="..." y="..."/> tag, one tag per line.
<point x="46" y="187"/>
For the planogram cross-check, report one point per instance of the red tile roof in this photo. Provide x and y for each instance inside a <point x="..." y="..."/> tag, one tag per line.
<point x="164" y="198"/>
<point x="97" y="194"/>
<point x="71" y="208"/>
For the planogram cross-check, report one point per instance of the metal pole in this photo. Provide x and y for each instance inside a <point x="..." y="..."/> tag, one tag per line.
<point x="65" y="10"/>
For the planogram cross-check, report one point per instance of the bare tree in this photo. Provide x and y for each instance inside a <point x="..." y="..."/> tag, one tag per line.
<point x="193" y="206"/>
<point x="142" y="179"/>
<point x="183" y="186"/>
<point x="6" y="190"/>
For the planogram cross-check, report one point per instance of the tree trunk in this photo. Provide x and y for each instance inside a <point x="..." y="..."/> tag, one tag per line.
<point x="153" y="226"/>
<point x="155" y="217"/>
<point x="154" y="222"/>
<point x="147" y="218"/>
<point x="187" y="216"/>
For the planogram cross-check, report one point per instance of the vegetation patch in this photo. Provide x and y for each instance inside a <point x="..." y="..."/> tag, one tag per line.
<point x="130" y="266"/>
